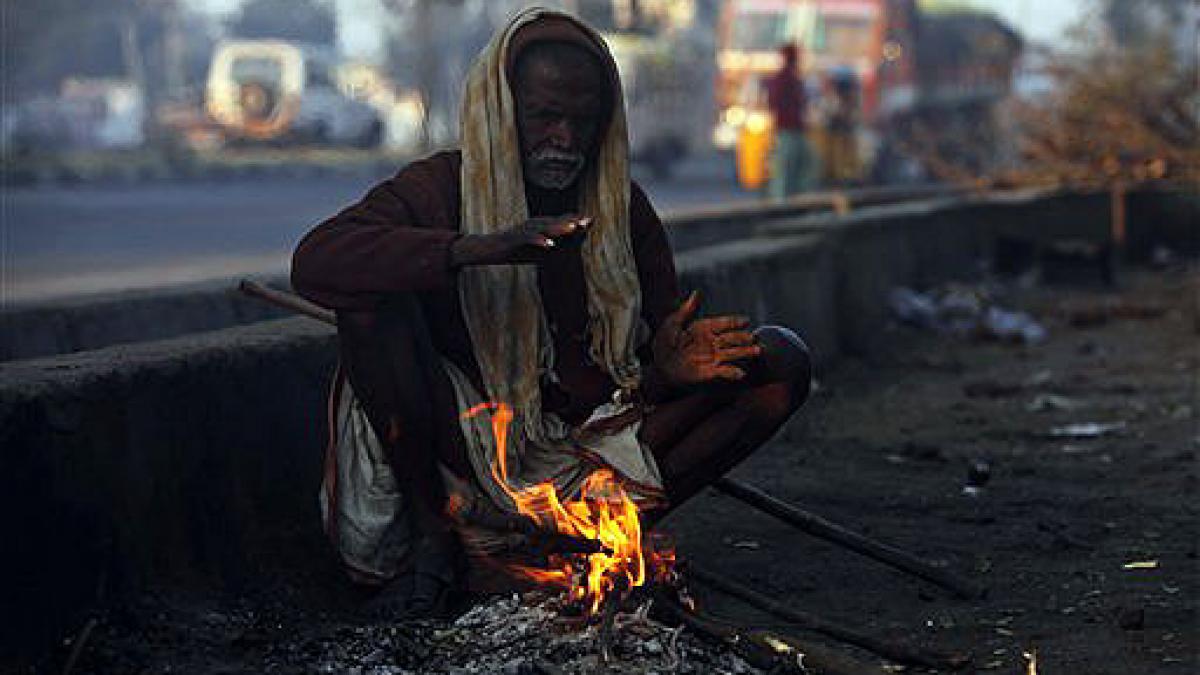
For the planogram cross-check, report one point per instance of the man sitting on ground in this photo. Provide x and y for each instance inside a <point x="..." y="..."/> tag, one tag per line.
<point x="524" y="268"/>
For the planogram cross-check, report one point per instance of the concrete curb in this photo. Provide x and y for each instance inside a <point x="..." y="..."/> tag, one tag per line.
<point x="92" y="322"/>
<point x="182" y="459"/>
<point x="946" y="226"/>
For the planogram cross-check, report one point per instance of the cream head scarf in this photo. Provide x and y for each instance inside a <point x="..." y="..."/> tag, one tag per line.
<point x="501" y="304"/>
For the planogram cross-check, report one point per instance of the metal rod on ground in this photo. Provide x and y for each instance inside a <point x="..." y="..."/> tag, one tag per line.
<point x="287" y="300"/>
<point x="899" y="653"/>
<point x="819" y="527"/>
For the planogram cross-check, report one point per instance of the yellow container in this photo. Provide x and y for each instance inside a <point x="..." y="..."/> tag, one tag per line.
<point x="754" y="142"/>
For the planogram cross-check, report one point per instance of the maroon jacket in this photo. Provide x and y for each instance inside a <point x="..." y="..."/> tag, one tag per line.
<point x="787" y="99"/>
<point x="397" y="239"/>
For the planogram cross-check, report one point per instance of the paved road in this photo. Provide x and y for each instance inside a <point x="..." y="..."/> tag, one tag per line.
<point x="69" y="240"/>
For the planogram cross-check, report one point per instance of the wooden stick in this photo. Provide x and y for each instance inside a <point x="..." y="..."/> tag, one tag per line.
<point x="81" y="641"/>
<point x="820" y="658"/>
<point x="899" y="653"/>
<point x="752" y="651"/>
<point x="287" y="300"/>
<point x="819" y="527"/>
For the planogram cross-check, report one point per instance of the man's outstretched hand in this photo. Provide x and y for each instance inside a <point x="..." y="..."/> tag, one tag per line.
<point x="688" y="351"/>
<point x="530" y="243"/>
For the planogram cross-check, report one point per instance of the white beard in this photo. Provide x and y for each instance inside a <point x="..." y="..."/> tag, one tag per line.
<point x="553" y="179"/>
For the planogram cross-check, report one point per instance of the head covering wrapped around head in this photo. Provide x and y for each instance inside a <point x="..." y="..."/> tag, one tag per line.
<point x="501" y="304"/>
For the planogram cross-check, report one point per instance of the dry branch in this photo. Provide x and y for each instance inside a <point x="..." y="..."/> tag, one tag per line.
<point x="819" y="527"/>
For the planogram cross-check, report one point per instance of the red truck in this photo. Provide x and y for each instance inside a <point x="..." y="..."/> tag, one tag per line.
<point x="910" y="65"/>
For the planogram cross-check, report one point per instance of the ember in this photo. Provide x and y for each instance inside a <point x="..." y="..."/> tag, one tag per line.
<point x="603" y="513"/>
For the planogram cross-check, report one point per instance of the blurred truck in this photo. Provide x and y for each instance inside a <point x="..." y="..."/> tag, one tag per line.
<point x="665" y="62"/>
<point x="919" y="71"/>
<point x="270" y="91"/>
<point x="661" y="83"/>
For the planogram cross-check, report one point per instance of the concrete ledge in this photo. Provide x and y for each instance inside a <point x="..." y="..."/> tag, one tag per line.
<point x="706" y="226"/>
<point x="188" y="458"/>
<point x="37" y="329"/>
<point x="96" y="321"/>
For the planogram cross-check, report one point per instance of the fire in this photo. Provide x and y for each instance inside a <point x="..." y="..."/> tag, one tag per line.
<point x="603" y="513"/>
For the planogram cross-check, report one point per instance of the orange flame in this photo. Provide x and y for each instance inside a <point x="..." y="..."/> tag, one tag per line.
<point x="603" y="513"/>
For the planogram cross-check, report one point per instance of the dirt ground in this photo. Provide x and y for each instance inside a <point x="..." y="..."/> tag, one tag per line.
<point x="1087" y="544"/>
<point x="886" y="445"/>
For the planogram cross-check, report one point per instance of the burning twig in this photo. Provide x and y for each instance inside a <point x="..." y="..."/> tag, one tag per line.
<point x="819" y="527"/>
<point x="896" y="652"/>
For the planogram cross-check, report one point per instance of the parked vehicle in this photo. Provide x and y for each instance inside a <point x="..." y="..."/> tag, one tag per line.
<point x="665" y="62"/>
<point x="92" y="114"/>
<point x="270" y="91"/>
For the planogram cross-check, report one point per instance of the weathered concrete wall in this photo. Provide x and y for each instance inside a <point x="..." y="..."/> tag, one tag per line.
<point x="78" y="324"/>
<point x="925" y="243"/>
<point x="195" y="457"/>
<point x="1156" y="217"/>
<point x="91" y="322"/>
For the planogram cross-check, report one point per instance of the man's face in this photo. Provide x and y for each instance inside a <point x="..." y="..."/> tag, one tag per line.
<point x="560" y="106"/>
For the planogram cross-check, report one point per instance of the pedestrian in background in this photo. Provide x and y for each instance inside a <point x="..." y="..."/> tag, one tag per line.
<point x="793" y="164"/>
<point x="839" y="149"/>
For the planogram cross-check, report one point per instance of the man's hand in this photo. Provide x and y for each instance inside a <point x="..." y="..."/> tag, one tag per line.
<point x="694" y="352"/>
<point x="530" y="243"/>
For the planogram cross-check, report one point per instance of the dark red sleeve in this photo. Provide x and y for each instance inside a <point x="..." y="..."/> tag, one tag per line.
<point x="396" y="239"/>
<point x="660" y="286"/>
<point x="655" y="262"/>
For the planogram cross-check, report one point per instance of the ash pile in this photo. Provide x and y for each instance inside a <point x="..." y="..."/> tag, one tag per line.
<point x="522" y="635"/>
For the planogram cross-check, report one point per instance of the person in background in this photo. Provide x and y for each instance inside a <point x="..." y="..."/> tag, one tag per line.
<point x="839" y="152"/>
<point x="793" y="164"/>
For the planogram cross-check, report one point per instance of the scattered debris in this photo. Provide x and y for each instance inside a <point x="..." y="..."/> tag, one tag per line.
<point x="961" y="310"/>
<point x="1162" y="257"/>
<point x="747" y="544"/>
<point x="1086" y="429"/>
<point x="1052" y="402"/>
<point x="979" y="472"/>
<point x="1031" y="662"/>
<point x="1009" y="326"/>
